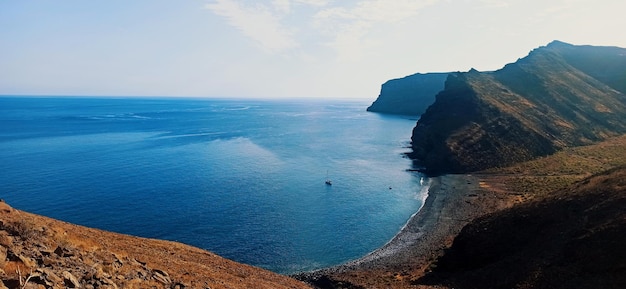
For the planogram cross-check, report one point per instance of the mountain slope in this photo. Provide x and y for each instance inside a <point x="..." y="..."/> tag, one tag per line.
<point x="410" y="95"/>
<point x="533" y="107"/>
<point x="603" y="63"/>
<point x="39" y="252"/>
<point x="574" y="238"/>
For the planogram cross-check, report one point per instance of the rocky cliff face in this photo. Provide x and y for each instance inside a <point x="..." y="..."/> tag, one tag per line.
<point x="410" y="95"/>
<point x="549" y="100"/>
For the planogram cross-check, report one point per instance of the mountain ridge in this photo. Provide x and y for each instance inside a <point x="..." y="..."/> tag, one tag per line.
<point x="533" y="107"/>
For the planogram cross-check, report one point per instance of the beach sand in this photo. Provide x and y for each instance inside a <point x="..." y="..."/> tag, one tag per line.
<point x="453" y="201"/>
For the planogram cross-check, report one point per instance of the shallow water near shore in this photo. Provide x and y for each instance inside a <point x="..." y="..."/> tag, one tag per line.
<point x="241" y="178"/>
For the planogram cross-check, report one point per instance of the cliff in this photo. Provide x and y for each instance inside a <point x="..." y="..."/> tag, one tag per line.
<point x="558" y="96"/>
<point x="410" y="95"/>
<point x="39" y="252"/>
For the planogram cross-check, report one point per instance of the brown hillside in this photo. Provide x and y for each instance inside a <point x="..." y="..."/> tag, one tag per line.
<point x="533" y="107"/>
<point x="39" y="252"/>
<point x="575" y="238"/>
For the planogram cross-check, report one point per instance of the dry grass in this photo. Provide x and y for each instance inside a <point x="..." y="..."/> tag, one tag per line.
<point x="94" y="257"/>
<point x="544" y="175"/>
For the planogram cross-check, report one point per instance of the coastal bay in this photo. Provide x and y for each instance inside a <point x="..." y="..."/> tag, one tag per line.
<point x="452" y="202"/>
<point x="241" y="178"/>
<point x="472" y="206"/>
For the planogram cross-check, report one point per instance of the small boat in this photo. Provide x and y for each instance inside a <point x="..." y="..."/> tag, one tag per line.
<point x="328" y="181"/>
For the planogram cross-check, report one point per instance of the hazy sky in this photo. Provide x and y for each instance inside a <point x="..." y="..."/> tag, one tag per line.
<point x="279" y="48"/>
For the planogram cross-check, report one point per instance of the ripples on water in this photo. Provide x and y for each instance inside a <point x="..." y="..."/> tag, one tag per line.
<point x="241" y="178"/>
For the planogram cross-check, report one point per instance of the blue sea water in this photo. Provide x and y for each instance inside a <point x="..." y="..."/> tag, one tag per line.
<point x="242" y="178"/>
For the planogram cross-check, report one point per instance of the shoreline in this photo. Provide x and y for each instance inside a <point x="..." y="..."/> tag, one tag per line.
<point x="452" y="201"/>
<point x="405" y="237"/>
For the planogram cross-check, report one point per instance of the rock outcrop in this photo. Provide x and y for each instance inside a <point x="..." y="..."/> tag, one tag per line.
<point x="556" y="97"/>
<point x="39" y="252"/>
<point x="410" y="95"/>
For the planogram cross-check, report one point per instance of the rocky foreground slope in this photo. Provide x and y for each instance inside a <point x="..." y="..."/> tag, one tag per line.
<point x="39" y="252"/>
<point x="559" y="96"/>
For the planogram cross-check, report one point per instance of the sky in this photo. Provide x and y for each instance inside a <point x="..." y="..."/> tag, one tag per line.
<point x="276" y="48"/>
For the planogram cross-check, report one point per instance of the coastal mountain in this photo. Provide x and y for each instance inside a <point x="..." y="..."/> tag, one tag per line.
<point x="39" y="252"/>
<point x="574" y="238"/>
<point x="410" y="95"/>
<point x="553" y="222"/>
<point x="560" y="95"/>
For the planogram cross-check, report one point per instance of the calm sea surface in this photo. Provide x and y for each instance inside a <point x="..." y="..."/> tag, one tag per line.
<point x="242" y="178"/>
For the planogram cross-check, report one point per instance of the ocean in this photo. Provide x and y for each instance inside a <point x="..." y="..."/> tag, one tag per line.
<point x="244" y="179"/>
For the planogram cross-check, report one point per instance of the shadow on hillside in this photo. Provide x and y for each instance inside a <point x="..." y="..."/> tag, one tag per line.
<point x="575" y="238"/>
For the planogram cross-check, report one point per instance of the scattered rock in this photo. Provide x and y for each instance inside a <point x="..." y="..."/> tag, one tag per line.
<point x="161" y="276"/>
<point x="50" y="276"/>
<point x="138" y="262"/>
<point x="5" y="239"/>
<point x="28" y="262"/>
<point x="3" y="255"/>
<point x="109" y="283"/>
<point x="70" y="280"/>
<point x="48" y="262"/>
<point x="63" y="252"/>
